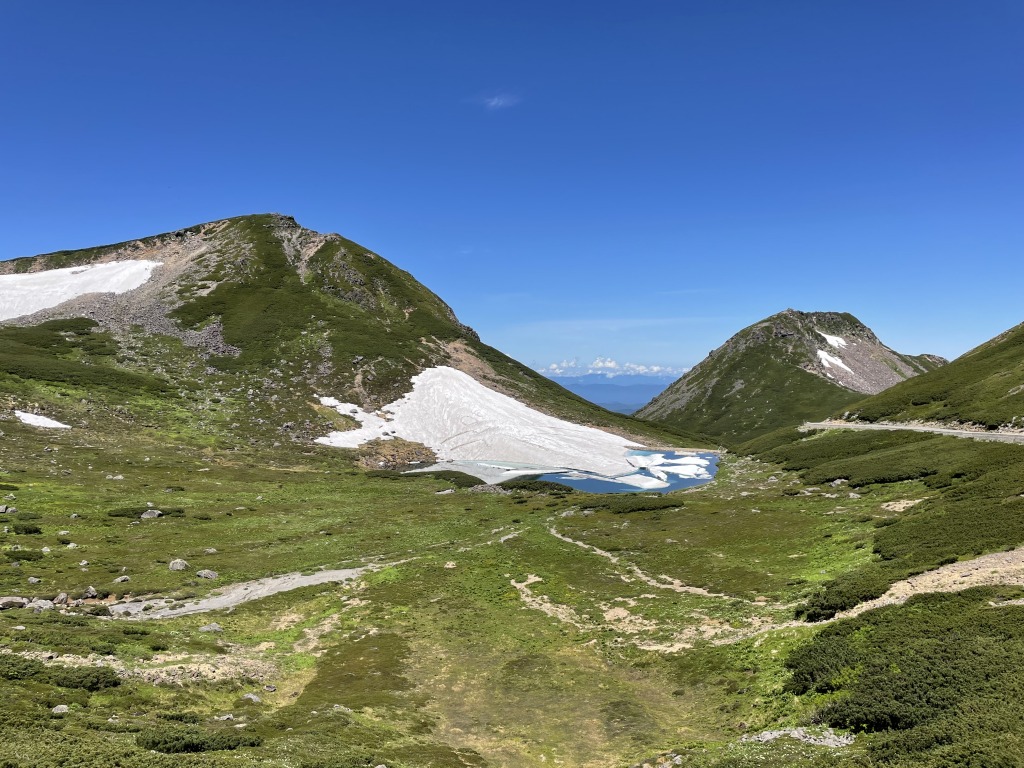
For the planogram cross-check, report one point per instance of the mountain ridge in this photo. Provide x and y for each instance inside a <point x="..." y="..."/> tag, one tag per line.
<point x="780" y="371"/>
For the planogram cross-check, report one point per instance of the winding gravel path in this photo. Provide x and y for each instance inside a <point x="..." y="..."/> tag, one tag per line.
<point x="235" y="594"/>
<point x="1003" y="437"/>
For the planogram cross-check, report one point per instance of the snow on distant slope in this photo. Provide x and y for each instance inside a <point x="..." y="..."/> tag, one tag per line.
<point x="828" y="361"/>
<point x="836" y="341"/>
<point x="23" y="294"/>
<point x="462" y="420"/>
<point x="35" y="420"/>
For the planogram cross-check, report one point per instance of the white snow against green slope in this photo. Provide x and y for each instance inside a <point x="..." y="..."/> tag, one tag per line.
<point x="30" y="292"/>
<point x="462" y="420"/>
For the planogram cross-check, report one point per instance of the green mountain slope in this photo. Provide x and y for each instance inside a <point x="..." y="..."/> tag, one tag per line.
<point x="255" y="316"/>
<point x="786" y="369"/>
<point x="984" y="386"/>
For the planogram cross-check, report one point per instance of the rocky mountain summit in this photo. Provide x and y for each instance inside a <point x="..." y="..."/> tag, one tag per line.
<point x="784" y="369"/>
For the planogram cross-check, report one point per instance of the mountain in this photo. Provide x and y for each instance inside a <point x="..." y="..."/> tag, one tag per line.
<point x="785" y="369"/>
<point x="245" y="329"/>
<point x="622" y="394"/>
<point x="982" y="387"/>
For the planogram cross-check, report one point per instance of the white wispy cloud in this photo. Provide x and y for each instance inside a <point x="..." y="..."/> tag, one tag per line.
<point x="498" y="101"/>
<point x="609" y="368"/>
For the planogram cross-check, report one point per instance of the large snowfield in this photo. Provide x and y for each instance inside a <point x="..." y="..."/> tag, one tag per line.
<point x="494" y="437"/>
<point x="30" y="292"/>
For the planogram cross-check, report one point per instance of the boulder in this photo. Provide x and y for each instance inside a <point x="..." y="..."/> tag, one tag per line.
<point x="34" y="580"/>
<point x="211" y="627"/>
<point x="178" y="565"/>
<point x="253" y="698"/>
<point x="12" y="602"/>
<point x="152" y="514"/>
<point x="209" y="551"/>
<point x="39" y="605"/>
<point x="61" y="709"/>
<point x="61" y="599"/>
<point x="206" y="573"/>
<point x="3" y="509"/>
<point x="90" y="592"/>
<point x="121" y="579"/>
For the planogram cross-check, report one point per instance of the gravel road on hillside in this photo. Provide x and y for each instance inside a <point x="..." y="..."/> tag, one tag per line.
<point x="1003" y="437"/>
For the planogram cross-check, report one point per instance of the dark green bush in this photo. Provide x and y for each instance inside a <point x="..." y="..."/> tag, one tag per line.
<point x="178" y="740"/>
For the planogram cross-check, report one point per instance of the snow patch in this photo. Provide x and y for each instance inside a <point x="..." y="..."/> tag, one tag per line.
<point x="35" y="420"/>
<point x="462" y="420"/>
<point x="836" y="341"/>
<point x="30" y="292"/>
<point x="489" y="435"/>
<point x="828" y="361"/>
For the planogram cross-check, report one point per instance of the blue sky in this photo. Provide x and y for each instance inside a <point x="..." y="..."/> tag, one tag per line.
<point x="628" y="181"/>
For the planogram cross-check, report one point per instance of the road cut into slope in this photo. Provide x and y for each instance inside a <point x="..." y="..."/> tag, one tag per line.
<point x="28" y="292"/>
<point x="974" y="434"/>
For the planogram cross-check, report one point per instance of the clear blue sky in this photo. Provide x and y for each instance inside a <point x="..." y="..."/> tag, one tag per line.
<point x="631" y="180"/>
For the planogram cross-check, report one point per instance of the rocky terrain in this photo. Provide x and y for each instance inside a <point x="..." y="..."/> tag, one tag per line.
<point x="786" y="369"/>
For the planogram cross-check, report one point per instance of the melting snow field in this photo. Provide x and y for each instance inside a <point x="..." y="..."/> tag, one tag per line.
<point x="828" y="361"/>
<point x="30" y="292"/>
<point x="36" y="420"/>
<point x="484" y="433"/>
<point x="836" y="341"/>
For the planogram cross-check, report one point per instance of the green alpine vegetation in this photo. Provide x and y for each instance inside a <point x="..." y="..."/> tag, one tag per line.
<point x="789" y="368"/>
<point x="428" y="620"/>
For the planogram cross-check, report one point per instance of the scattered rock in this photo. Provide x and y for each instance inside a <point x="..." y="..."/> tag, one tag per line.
<point x="206" y="574"/>
<point x="61" y="599"/>
<point x="178" y="565"/>
<point x="39" y="605"/>
<point x="209" y="551"/>
<point x="212" y="627"/>
<point x="83" y="563"/>
<point x="222" y="718"/>
<point x="61" y="709"/>
<point x="122" y="579"/>
<point x="90" y="592"/>
<point x="34" y="580"/>
<point x="270" y="688"/>
<point x="72" y="545"/>
<point x="12" y="602"/>
<point x="152" y="514"/>
<point x="253" y="698"/>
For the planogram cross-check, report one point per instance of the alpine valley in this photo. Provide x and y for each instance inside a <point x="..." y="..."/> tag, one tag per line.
<point x="220" y="548"/>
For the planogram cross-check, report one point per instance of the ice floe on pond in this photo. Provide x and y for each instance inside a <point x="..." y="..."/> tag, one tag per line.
<point x="35" y="420"/>
<point x="28" y="292"/>
<point x="489" y="435"/>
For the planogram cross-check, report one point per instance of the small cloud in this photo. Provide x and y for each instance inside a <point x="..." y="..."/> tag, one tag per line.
<point x="499" y="101"/>
<point x="609" y="368"/>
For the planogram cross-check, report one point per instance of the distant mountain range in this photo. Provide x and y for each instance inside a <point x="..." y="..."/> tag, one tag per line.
<point x="788" y="368"/>
<point x="624" y="393"/>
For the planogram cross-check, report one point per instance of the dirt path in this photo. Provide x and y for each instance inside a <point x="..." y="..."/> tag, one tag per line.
<point x="998" y="568"/>
<point x="235" y="594"/>
<point x="1003" y="437"/>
